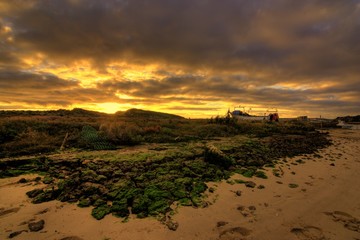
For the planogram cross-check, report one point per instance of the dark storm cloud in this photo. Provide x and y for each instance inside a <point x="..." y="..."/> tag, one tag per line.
<point x="153" y="87"/>
<point x="215" y="33"/>
<point x="20" y="80"/>
<point x="180" y="85"/>
<point x="46" y="89"/>
<point x="246" y="47"/>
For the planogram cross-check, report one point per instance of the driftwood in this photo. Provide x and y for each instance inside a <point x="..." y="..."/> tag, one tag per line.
<point x="64" y="142"/>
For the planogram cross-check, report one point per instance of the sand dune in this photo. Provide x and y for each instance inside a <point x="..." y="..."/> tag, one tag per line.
<point x="314" y="197"/>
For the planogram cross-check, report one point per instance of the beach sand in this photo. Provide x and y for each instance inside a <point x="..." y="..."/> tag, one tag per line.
<point x="316" y="197"/>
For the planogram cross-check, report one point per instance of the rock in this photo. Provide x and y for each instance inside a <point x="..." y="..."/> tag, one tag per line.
<point x="172" y="225"/>
<point x="14" y="234"/>
<point x="106" y="171"/>
<point x="221" y="223"/>
<point x="72" y="200"/>
<point x="100" y="211"/>
<point x="120" y="208"/>
<point x="252" y="208"/>
<point x="261" y="186"/>
<point x="238" y="193"/>
<point x="22" y="180"/>
<point x="241" y="208"/>
<point x="86" y="162"/>
<point x="293" y="185"/>
<point x="332" y="164"/>
<point x="100" y="202"/>
<point x="37" y="179"/>
<point x="84" y="203"/>
<point x="44" y="197"/>
<point x="48" y="180"/>
<point x="101" y="178"/>
<point x="250" y="184"/>
<point x="36" y="226"/>
<point x="34" y="193"/>
<point x="94" y="198"/>
<point x="215" y="156"/>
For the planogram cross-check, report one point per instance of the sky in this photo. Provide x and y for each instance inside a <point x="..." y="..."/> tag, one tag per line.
<point x="195" y="58"/>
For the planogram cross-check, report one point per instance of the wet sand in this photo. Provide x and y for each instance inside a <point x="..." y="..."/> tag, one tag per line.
<point x="322" y="203"/>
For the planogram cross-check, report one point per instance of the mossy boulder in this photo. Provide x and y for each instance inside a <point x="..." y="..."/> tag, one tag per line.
<point x="84" y="203"/>
<point x="185" y="202"/>
<point x="179" y="192"/>
<point x="48" y="179"/>
<point x="89" y="189"/>
<point x="100" y="178"/>
<point x="106" y="171"/>
<point x="68" y="184"/>
<point x="34" y="193"/>
<point x="196" y="200"/>
<point x="140" y="205"/>
<point x="89" y="175"/>
<point x="199" y="187"/>
<point x="127" y="195"/>
<point x="99" y="202"/>
<point x="101" y="211"/>
<point x="160" y="206"/>
<point x="120" y="208"/>
<point x="261" y="174"/>
<point x="43" y="197"/>
<point x="153" y="192"/>
<point x="248" y="173"/>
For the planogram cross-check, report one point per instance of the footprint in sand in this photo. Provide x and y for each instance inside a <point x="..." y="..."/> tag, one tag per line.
<point x="235" y="233"/>
<point x="4" y="212"/>
<point x="221" y="224"/>
<point x="71" y="238"/>
<point x="247" y="211"/>
<point x="346" y="219"/>
<point x="309" y="233"/>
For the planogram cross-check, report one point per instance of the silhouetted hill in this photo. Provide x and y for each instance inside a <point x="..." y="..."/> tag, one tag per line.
<point x="79" y="112"/>
<point x="86" y="113"/>
<point x="138" y="113"/>
<point x="349" y="118"/>
<point x="76" y="112"/>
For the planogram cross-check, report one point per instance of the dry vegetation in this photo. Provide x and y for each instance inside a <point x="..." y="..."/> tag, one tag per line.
<point x="28" y="134"/>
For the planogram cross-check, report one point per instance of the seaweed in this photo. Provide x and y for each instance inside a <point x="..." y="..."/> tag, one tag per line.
<point x="101" y="211"/>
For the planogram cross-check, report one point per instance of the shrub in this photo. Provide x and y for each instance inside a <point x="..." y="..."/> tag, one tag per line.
<point x="29" y="142"/>
<point x="90" y="138"/>
<point x="122" y="133"/>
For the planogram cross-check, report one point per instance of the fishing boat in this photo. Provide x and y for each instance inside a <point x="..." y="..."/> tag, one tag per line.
<point x="349" y="125"/>
<point x="241" y="113"/>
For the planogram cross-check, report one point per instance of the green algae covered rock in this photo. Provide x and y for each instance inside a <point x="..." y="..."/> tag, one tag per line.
<point x="215" y="156"/>
<point x="84" y="203"/>
<point x="101" y="211"/>
<point x="120" y="208"/>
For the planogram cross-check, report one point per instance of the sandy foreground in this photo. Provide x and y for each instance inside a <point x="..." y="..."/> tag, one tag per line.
<point x="324" y="204"/>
